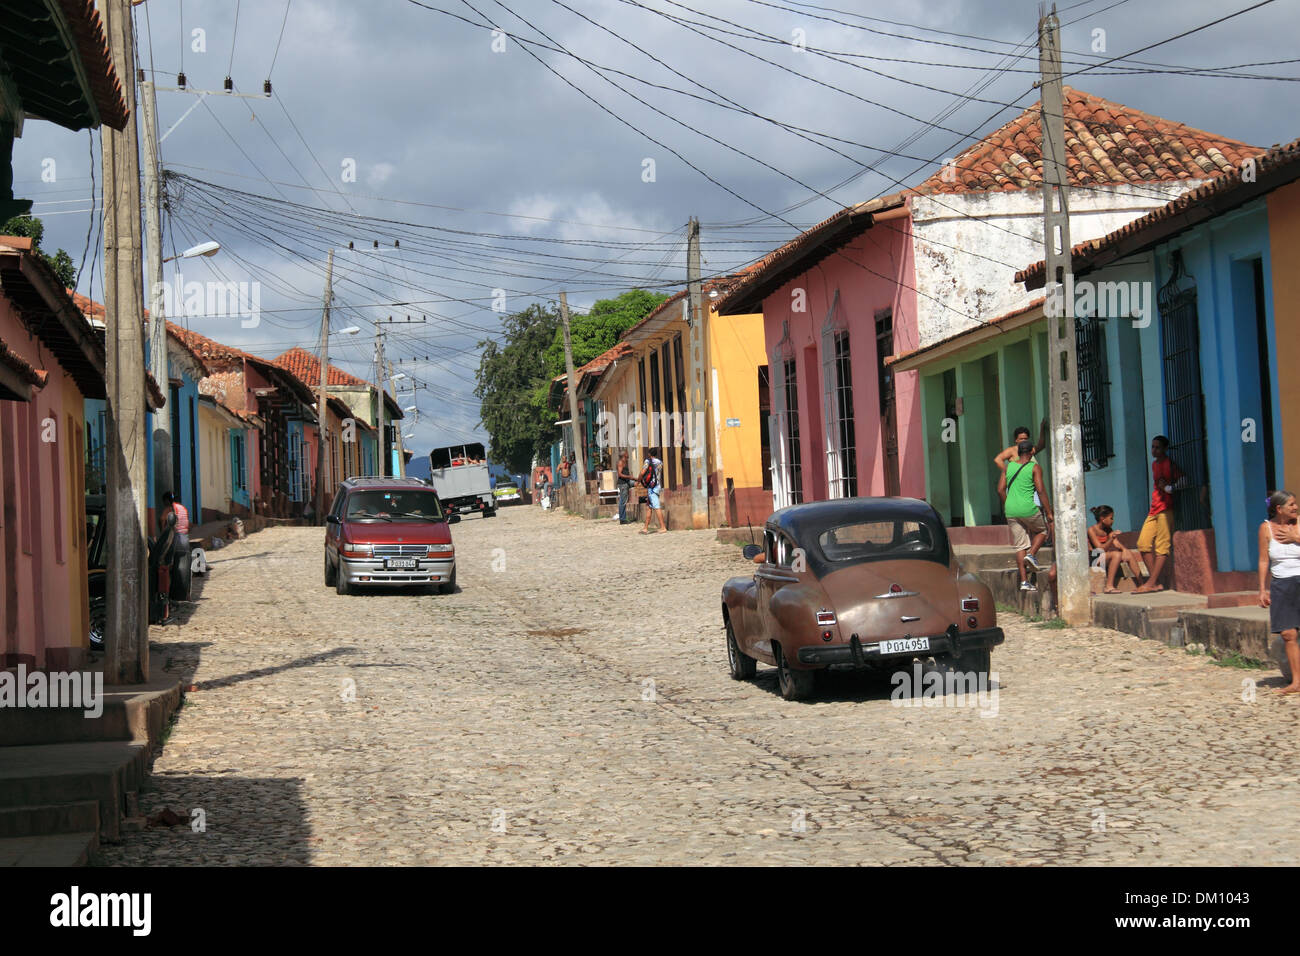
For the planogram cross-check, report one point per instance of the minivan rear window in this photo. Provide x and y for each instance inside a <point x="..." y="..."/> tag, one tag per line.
<point x="398" y="504"/>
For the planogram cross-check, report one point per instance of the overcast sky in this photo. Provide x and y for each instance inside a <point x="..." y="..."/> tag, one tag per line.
<point x="477" y="158"/>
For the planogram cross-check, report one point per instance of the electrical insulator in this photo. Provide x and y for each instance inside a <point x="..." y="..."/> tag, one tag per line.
<point x="230" y="85"/>
<point x="266" y="87"/>
<point x="180" y="80"/>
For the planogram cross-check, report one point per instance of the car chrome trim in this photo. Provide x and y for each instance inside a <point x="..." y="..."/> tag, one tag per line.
<point x="895" y="594"/>
<point x="776" y="576"/>
<point x="908" y="618"/>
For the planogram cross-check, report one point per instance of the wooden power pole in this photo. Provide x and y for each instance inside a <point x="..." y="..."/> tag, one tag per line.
<point x="701" y="381"/>
<point x="163" y="479"/>
<point x="322" y="397"/>
<point x="578" y="450"/>
<point x="1067" y="458"/>
<point x="127" y="632"/>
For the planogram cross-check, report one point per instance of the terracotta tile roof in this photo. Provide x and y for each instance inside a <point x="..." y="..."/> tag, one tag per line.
<point x="752" y="284"/>
<point x="1108" y="144"/>
<point x="227" y="388"/>
<point x="601" y="362"/>
<point x="306" y="368"/>
<point x="156" y="399"/>
<point x="214" y="354"/>
<point x="1275" y="168"/>
<point x="92" y="47"/>
<point x="23" y="368"/>
<point x="979" y="331"/>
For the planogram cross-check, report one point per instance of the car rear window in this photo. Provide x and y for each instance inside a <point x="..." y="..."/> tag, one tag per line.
<point x="876" y="540"/>
<point x="399" y="504"/>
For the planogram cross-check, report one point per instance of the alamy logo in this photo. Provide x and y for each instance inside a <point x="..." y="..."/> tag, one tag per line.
<point x="633" y="428"/>
<point x="945" y="688"/>
<point x="75" y="909"/>
<point x="1109" y="300"/>
<point x="212" y="300"/>
<point x="73" y="689"/>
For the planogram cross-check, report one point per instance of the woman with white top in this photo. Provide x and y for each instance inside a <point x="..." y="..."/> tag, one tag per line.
<point x="1279" y="555"/>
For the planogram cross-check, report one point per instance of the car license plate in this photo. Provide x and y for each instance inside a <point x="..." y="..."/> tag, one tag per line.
<point x="400" y="564"/>
<point x="908" y="645"/>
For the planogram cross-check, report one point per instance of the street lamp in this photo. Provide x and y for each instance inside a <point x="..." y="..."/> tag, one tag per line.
<point x="350" y="330"/>
<point x="409" y="408"/>
<point x="209" y="248"/>
<point x="399" y="375"/>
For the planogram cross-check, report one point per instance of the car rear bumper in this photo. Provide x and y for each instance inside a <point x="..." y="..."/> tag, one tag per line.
<point x="362" y="571"/>
<point x="868" y="654"/>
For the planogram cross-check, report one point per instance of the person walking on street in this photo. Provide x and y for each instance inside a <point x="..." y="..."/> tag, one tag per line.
<point x="1156" y="539"/>
<point x="652" y="478"/>
<point x="179" y="516"/>
<point x="1024" y="477"/>
<point x="1279" y="556"/>
<point x="625" y="482"/>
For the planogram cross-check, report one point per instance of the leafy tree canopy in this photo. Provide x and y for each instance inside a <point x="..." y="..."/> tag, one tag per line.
<point x="33" y="229"/>
<point x="600" y="330"/>
<point x="512" y="386"/>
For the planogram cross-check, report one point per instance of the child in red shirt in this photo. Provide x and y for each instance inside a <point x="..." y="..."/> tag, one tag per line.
<point x="1156" y="538"/>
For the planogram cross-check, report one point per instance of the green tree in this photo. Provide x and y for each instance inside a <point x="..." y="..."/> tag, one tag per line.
<point x="33" y="229"/>
<point x="512" y="385"/>
<point x="600" y="329"/>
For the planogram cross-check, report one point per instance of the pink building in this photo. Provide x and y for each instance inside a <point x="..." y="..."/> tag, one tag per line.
<point x="837" y="302"/>
<point x="51" y="361"/>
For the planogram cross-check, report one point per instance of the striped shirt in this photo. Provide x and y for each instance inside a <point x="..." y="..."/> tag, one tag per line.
<point x="182" y="518"/>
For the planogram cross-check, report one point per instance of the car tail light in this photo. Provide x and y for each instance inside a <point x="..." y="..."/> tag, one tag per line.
<point x="441" y="550"/>
<point x="356" y="550"/>
<point x="825" y="618"/>
<point x="827" y="635"/>
<point x="972" y="621"/>
<point x="970" y="604"/>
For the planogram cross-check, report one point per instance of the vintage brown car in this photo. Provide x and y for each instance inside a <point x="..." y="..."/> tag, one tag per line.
<point x="855" y="583"/>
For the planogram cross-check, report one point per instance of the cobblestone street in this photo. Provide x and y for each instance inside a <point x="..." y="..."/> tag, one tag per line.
<point x="575" y="707"/>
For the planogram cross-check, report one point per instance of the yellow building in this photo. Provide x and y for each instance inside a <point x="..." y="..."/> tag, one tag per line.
<point x="641" y="396"/>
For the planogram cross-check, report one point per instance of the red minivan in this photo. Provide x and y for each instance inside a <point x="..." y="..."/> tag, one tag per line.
<point x="388" y="531"/>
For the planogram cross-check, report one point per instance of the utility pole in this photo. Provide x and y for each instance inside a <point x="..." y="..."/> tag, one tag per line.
<point x="400" y="465"/>
<point x="163" y="479"/>
<point x="322" y="397"/>
<point x="1067" y="459"/>
<point x="127" y="636"/>
<point x="578" y="448"/>
<point x="379" y="395"/>
<point x="698" y="426"/>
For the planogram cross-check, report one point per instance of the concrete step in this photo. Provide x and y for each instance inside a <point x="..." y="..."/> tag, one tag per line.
<point x="60" y="849"/>
<point x="103" y="771"/>
<point x="1234" y="599"/>
<point x="1240" y="629"/>
<point x="977" y="558"/>
<point x="1151" y="616"/>
<point x="79" y="817"/>
<point x="130" y="712"/>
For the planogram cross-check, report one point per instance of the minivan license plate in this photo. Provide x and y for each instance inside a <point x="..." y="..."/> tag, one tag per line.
<point x="908" y="645"/>
<point x="400" y="564"/>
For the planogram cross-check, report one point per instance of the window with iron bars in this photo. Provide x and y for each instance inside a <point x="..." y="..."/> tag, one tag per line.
<point x="1094" y="391"/>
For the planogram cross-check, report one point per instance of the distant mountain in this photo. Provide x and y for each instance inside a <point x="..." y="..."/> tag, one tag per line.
<point x="418" y="467"/>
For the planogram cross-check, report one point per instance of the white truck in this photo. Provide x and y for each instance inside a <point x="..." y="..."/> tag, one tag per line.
<point x="459" y="473"/>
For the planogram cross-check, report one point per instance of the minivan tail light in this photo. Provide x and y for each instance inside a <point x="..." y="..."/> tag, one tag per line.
<point x="970" y="604"/>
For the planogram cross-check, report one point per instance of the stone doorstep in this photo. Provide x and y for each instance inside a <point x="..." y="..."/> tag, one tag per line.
<point x="1240" y="629"/>
<point x="50" y="774"/>
<point x="131" y="712"/>
<point x="81" y="816"/>
<point x="59" y="849"/>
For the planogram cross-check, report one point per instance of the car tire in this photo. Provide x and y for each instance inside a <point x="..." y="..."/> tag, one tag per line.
<point x="794" y="684"/>
<point x="98" y="622"/>
<point x="331" y="573"/>
<point x="453" y="519"/>
<point x="341" y="582"/>
<point x="743" y="667"/>
<point x="449" y="586"/>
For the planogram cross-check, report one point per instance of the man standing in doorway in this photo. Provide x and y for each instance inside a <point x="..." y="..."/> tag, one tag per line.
<point x="1156" y="539"/>
<point x="1024" y="477"/>
<point x="652" y="476"/>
